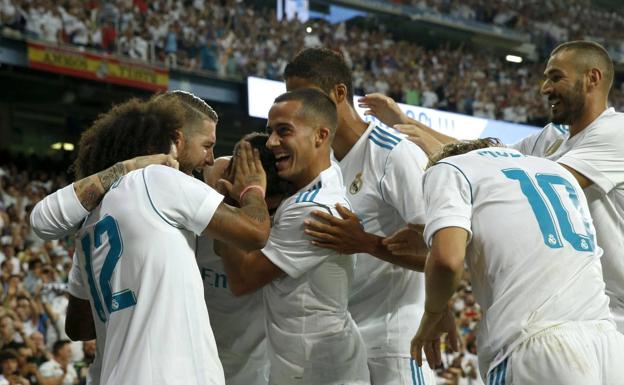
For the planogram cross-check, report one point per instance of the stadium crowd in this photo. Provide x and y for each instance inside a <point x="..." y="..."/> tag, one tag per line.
<point x="34" y="347"/>
<point x="233" y="39"/>
<point x="548" y="23"/>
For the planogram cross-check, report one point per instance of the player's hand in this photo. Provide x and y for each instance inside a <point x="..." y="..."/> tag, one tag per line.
<point x="248" y="171"/>
<point x="344" y="235"/>
<point x="432" y="326"/>
<point x="144" y="161"/>
<point x="417" y="132"/>
<point x="384" y="108"/>
<point x="407" y="241"/>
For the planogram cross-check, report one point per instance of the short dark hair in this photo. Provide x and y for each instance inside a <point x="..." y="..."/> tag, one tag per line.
<point x="462" y="147"/>
<point x="316" y="107"/>
<point x="276" y="186"/>
<point x="323" y="67"/>
<point x="590" y="55"/>
<point x="196" y="110"/>
<point x="58" y="345"/>
<point x="8" y="354"/>
<point x="131" y="129"/>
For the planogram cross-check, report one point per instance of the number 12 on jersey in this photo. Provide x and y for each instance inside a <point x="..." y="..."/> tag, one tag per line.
<point x="543" y="210"/>
<point x="113" y="301"/>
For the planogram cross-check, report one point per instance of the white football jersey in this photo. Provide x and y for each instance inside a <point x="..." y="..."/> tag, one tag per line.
<point x="532" y="256"/>
<point x="597" y="152"/>
<point x="312" y="338"/>
<point x="136" y="265"/>
<point x="238" y="323"/>
<point x="382" y="174"/>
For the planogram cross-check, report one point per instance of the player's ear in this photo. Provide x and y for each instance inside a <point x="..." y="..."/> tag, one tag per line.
<point x="593" y="78"/>
<point x="179" y="141"/>
<point x="340" y="93"/>
<point x="322" y="135"/>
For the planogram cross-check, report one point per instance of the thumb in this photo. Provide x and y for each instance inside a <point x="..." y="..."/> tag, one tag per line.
<point x="344" y="212"/>
<point x="172" y="162"/>
<point x="224" y="187"/>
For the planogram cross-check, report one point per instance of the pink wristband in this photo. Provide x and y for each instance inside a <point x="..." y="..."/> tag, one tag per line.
<point x="251" y="187"/>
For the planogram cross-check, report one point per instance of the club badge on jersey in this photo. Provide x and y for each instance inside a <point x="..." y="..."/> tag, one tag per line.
<point x="356" y="185"/>
<point x="553" y="147"/>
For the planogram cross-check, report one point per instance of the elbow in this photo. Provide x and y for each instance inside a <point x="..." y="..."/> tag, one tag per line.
<point x="256" y="239"/>
<point x="37" y="225"/>
<point x="446" y="263"/>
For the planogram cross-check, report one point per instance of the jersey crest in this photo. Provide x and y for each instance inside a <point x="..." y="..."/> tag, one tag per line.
<point x="356" y="185"/>
<point x="553" y="147"/>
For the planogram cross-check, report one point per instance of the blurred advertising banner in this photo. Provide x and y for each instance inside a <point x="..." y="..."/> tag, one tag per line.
<point x="261" y="92"/>
<point x="97" y="67"/>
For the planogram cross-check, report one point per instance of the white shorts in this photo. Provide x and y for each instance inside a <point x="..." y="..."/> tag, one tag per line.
<point x="399" y="371"/>
<point x="588" y="353"/>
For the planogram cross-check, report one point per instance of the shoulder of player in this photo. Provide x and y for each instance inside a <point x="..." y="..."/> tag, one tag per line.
<point x="384" y="139"/>
<point x="396" y="147"/>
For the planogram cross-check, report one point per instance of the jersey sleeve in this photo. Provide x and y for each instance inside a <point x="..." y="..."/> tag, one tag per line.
<point x="180" y="200"/>
<point x="289" y="248"/>
<point x="599" y="156"/>
<point x="448" y="199"/>
<point x="76" y="285"/>
<point x="57" y="215"/>
<point x="539" y="144"/>
<point x="401" y="183"/>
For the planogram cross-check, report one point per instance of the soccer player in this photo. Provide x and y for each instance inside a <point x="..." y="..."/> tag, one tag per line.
<point x="192" y="149"/>
<point x="585" y="137"/>
<point x="522" y="225"/>
<point x="311" y="336"/>
<point x="135" y="283"/>
<point x="382" y="174"/>
<point x="241" y="343"/>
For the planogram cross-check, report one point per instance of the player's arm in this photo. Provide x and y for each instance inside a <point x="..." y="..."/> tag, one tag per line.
<point x="388" y="111"/>
<point x="347" y="236"/>
<point x="246" y="271"/>
<point x="247" y="226"/>
<point x="582" y="180"/>
<point x="59" y="214"/>
<point x="79" y="325"/>
<point x="444" y="267"/>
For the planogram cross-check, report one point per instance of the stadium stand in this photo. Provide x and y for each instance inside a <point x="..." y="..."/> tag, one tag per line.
<point x="33" y="275"/>
<point x="234" y="39"/>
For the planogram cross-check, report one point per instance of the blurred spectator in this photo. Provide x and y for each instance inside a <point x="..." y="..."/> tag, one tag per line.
<point x="82" y="366"/>
<point x="59" y="367"/>
<point x="10" y="373"/>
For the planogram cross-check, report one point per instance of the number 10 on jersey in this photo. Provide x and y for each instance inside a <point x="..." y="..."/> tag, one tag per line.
<point x="551" y="226"/>
<point x="101" y="290"/>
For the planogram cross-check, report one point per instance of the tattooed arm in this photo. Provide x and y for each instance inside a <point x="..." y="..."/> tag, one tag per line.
<point x="91" y="190"/>
<point x="58" y="214"/>
<point x="247" y="227"/>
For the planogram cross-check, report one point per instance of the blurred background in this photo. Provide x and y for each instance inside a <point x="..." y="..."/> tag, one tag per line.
<point x="471" y="67"/>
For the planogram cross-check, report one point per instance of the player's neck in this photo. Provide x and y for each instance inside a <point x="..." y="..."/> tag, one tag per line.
<point x="350" y="128"/>
<point x="315" y="169"/>
<point x="592" y="112"/>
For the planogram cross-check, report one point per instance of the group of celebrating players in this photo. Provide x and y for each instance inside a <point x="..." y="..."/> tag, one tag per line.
<point x="300" y="259"/>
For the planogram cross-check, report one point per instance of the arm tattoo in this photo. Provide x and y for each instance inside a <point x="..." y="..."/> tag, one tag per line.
<point x="89" y="193"/>
<point x="111" y="174"/>
<point x="255" y="208"/>
<point x="91" y="189"/>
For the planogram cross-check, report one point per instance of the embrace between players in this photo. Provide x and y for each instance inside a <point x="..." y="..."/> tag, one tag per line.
<point x="330" y="290"/>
